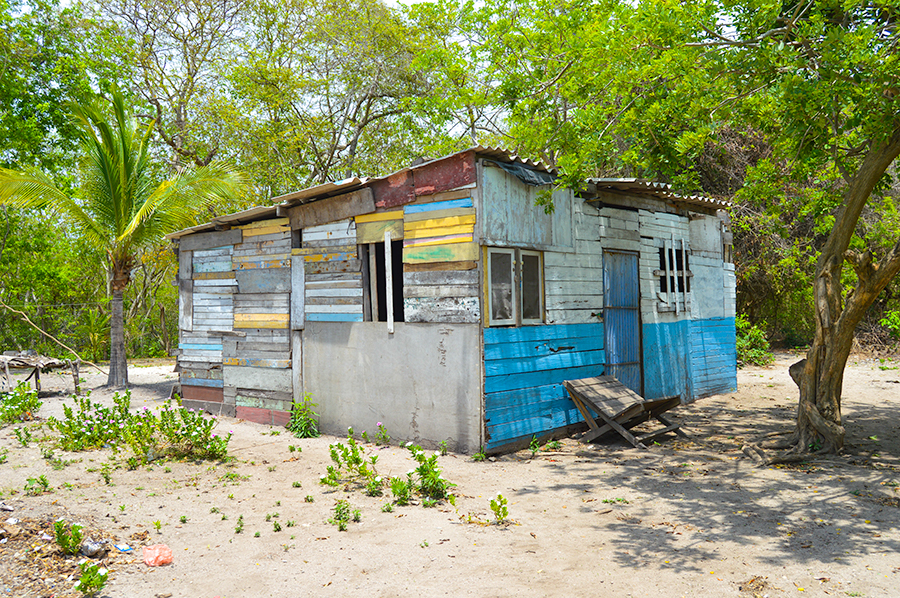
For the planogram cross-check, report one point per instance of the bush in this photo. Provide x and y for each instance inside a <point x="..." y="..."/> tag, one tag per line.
<point x="752" y="344"/>
<point x="304" y="421"/>
<point x="19" y="405"/>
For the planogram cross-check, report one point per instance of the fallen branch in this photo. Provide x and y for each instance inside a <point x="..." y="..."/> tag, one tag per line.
<point x="25" y="318"/>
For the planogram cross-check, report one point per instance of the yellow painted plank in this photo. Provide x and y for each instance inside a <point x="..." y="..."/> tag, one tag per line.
<point x="380" y="216"/>
<point x="266" y="223"/>
<point x="212" y="275"/>
<point x="262" y="264"/>
<point x="458" y="252"/>
<point x="419" y="216"/>
<point x="373" y="232"/>
<point x="331" y="249"/>
<point x="256" y="317"/>
<point x="260" y="324"/>
<point x="267" y="230"/>
<point x="439" y="222"/>
<point x="444" y="231"/>
<point x="438" y="241"/>
<point x="261" y="257"/>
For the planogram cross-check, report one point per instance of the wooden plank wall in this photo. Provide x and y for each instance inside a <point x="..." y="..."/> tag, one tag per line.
<point x="573" y="282"/>
<point x="713" y="356"/>
<point x="257" y="360"/>
<point x="206" y="270"/>
<point x="524" y="369"/>
<point x="440" y="255"/>
<point x="333" y="280"/>
<point x="656" y="228"/>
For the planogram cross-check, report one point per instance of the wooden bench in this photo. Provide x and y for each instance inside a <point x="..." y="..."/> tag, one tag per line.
<point x="619" y="409"/>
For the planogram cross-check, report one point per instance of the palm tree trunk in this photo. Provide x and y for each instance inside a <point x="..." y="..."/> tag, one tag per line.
<point x="118" y="367"/>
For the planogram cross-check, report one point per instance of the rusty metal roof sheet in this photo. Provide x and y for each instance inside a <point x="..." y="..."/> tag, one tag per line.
<point x="659" y="190"/>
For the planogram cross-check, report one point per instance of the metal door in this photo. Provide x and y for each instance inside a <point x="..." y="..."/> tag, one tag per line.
<point x="622" y="318"/>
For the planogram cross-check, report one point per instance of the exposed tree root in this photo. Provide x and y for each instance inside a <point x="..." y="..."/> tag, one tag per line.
<point x="763" y="458"/>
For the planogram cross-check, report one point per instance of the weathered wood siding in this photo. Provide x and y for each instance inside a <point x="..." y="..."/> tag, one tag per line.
<point x="333" y="275"/>
<point x="573" y="282"/>
<point x="524" y="369"/>
<point x="439" y="231"/>
<point x="207" y="285"/>
<point x="511" y="217"/>
<point x="257" y="358"/>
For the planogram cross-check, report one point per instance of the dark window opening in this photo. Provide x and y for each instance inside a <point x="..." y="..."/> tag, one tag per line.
<point x="296" y="238"/>
<point x="378" y="294"/>
<point x="679" y="270"/>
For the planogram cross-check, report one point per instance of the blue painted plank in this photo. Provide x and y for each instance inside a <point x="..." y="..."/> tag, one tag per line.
<point x="314" y="317"/>
<point x="505" y="433"/>
<point x="546" y="410"/>
<point x="542" y="378"/>
<point x="546" y="347"/>
<point x="200" y="347"/>
<point x="439" y="205"/>
<point x="541" y="333"/>
<point x="555" y="361"/>
<point x="203" y="382"/>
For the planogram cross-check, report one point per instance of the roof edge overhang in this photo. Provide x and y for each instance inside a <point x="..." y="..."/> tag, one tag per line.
<point x="660" y="191"/>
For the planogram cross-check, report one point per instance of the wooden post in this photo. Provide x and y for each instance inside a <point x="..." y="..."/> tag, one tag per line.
<point x="389" y="282"/>
<point x="674" y="269"/>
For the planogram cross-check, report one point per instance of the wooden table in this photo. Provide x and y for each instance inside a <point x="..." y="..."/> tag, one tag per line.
<point x="618" y="408"/>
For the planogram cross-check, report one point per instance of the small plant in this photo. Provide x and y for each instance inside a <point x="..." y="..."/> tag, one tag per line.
<point x="534" y="446"/>
<point x="122" y="508"/>
<point x="365" y="436"/>
<point x="553" y="445"/>
<point x="429" y="502"/>
<point x="401" y="488"/>
<point x="304" y="421"/>
<point x="183" y="519"/>
<point x="93" y="578"/>
<point x="106" y="473"/>
<point x="387" y="507"/>
<point x="20" y="405"/>
<point x="295" y="449"/>
<point x="67" y="538"/>
<point x="424" y="544"/>
<point x="23" y="435"/>
<point x="224" y="517"/>
<point x="309" y="498"/>
<point x="255" y="534"/>
<point x="381" y="436"/>
<point x="341" y="515"/>
<point x="297" y="485"/>
<point x="240" y="525"/>
<point x="290" y="523"/>
<point x="357" y="515"/>
<point x="374" y="486"/>
<point x="611" y="501"/>
<point x="271" y="468"/>
<point x="214" y="510"/>
<point x="37" y="486"/>
<point x="276" y="526"/>
<point x="479" y="456"/>
<point x="443" y="449"/>
<point x="4" y="455"/>
<point x="157" y="525"/>
<point x="498" y="506"/>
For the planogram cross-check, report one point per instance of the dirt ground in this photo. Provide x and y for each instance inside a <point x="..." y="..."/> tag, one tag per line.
<point x="684" y="518"/>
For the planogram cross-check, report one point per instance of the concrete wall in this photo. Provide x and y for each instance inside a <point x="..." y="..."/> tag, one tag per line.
<point x="423" y="382"/>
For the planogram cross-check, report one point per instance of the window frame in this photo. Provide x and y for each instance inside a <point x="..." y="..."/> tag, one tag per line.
<point x="518" y="293"/>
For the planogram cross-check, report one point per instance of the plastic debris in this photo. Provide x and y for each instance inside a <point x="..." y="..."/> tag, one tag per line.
<point x="6" y="507"/>
<point x="12" y="521"/>
<point x="46" y="537"/>
<point x="123" y="547"/>
<point x="157" y="555"/>
<point x="92" y="549"/>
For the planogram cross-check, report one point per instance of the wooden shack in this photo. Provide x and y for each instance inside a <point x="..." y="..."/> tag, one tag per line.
<point x="443" y="302"/>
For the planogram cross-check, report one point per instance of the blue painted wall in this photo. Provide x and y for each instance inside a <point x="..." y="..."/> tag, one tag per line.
<point x="524" y="369"/>
<point x="713" y="356"/>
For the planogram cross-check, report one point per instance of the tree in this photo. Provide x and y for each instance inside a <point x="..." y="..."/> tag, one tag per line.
<point x="120" y="208"/>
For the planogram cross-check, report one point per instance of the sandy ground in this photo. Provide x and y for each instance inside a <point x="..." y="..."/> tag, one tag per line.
<point x="684" y="518"/>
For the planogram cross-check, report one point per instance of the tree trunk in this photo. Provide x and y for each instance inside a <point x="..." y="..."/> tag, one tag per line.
<point x="821" y="375"/>
<point x="118" y="366"/>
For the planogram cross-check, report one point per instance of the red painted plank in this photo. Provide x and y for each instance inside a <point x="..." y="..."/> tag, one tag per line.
<point x="201" y="393"/>
<point x="269" y="417"/>
<point x="443" y="175"/>
<point x="394" y="190"/>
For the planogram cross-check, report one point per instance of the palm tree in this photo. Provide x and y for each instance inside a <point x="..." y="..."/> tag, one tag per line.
<point x="121" y="208"/>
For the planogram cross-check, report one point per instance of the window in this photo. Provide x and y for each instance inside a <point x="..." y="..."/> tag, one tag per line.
<point x="515" y="287"/>
<point x="375" y="279"/>
<point x="674" y="277"/>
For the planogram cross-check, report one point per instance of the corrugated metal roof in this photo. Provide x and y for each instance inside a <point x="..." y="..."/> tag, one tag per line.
<point x="330" y="189"/>
<point x="658" y="190"/>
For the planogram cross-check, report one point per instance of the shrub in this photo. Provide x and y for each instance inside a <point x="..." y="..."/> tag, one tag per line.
<point x="304" y="421"/>
<point x="19" y="405"/>
<point x="752" y="344"/>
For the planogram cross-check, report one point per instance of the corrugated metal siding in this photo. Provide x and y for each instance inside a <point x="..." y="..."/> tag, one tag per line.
<point x="524" y="369"/>
<point x="622" y="318"/>
<point x="667" y="360"/>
